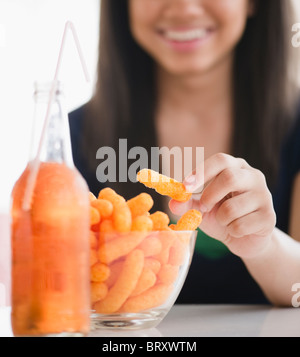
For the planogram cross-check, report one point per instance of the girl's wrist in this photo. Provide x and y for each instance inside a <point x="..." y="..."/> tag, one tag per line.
<point x="266" y="252"/>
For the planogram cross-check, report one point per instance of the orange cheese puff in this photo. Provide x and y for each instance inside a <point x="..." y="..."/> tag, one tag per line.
<point x="166" y="238"/>
<point x="93" y="240"/>
<point x="177" y="252"/>
<point x="184" y="237"/>
<point x="142" y="224"/>
<point x="140" y="204"/>
<point x="92" y="197"/>
<point x="94" y="216"/>
<point x="123" y="287"/>
<point x="93" y="257"/>
<point x="152" y="297"/>
<point x="95" y="227"/>
<point x="145" y="282"/>
<point x="115" y="269"/>
<point x="120" y="246"/>
<point x="104" y="207"/>
<point x="106" y="226"/>
<point x="106" y="231"/>
<point x="111" y="195"/>
<point x="160" y="221"/>
<point x="164" y="185"/>
<point x="99" y="272"/>
<point x="122" y="217"/>
<point x="152" y="264"/>
<point x="168" y="274"/>
<point x="98" y="291"/>
<point x="151" y="245"/>
<point x="172" y="226"/>
<point x="189" y="221"/>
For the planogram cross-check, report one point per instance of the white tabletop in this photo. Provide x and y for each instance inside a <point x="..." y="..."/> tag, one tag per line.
<point x="207" y="320"/>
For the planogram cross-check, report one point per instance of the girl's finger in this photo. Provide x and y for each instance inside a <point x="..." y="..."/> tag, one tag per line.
<point x="179" y="208"/>
<point x="252" y="224"/>
<point x="212" y="167"/>
<point x="230" y="180"/>
<point x="237" y="207"/>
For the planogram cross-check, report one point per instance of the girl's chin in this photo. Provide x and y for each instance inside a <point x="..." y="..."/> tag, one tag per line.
<point x="181" y="70"/>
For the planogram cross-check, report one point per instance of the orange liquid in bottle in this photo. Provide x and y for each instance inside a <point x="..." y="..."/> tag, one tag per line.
<point x="50" y="254"/>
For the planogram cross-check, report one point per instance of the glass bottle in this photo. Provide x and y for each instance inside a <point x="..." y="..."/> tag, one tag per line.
<point x="50" y="242"/>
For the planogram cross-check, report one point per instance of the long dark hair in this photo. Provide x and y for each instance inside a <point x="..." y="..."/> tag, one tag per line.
<point x="124" y="102"/>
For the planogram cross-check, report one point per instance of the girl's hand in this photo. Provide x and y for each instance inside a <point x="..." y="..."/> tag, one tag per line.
<point x="236" y="204"/>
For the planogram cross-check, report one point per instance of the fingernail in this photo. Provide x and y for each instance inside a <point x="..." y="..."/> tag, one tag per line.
<point x="190" y="183"/>
<point x="190" y="179"/>
<point x="192" y="188"/>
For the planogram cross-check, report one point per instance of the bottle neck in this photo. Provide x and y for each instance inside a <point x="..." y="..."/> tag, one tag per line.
<point x="56" y="146"/>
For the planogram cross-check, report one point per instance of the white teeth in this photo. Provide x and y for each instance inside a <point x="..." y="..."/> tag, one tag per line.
<point x="182" y="36"/>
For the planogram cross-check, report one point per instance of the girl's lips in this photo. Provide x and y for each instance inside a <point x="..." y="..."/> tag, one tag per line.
<point x="185" y="39"/>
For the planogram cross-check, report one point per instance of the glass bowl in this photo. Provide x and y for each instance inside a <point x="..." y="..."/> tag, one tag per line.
<point x="136" y="277"/>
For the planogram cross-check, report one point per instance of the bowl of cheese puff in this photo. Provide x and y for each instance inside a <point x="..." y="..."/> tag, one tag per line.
<point x="139" y="261"/>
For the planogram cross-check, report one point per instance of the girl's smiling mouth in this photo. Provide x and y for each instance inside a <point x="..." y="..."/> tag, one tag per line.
<point x="185" y="38"/>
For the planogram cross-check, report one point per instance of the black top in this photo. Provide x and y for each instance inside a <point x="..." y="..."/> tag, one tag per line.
<point x="216" y="275"/>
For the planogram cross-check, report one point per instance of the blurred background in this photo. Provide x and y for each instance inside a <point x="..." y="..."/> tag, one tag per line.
<point x="30" y="37"/>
